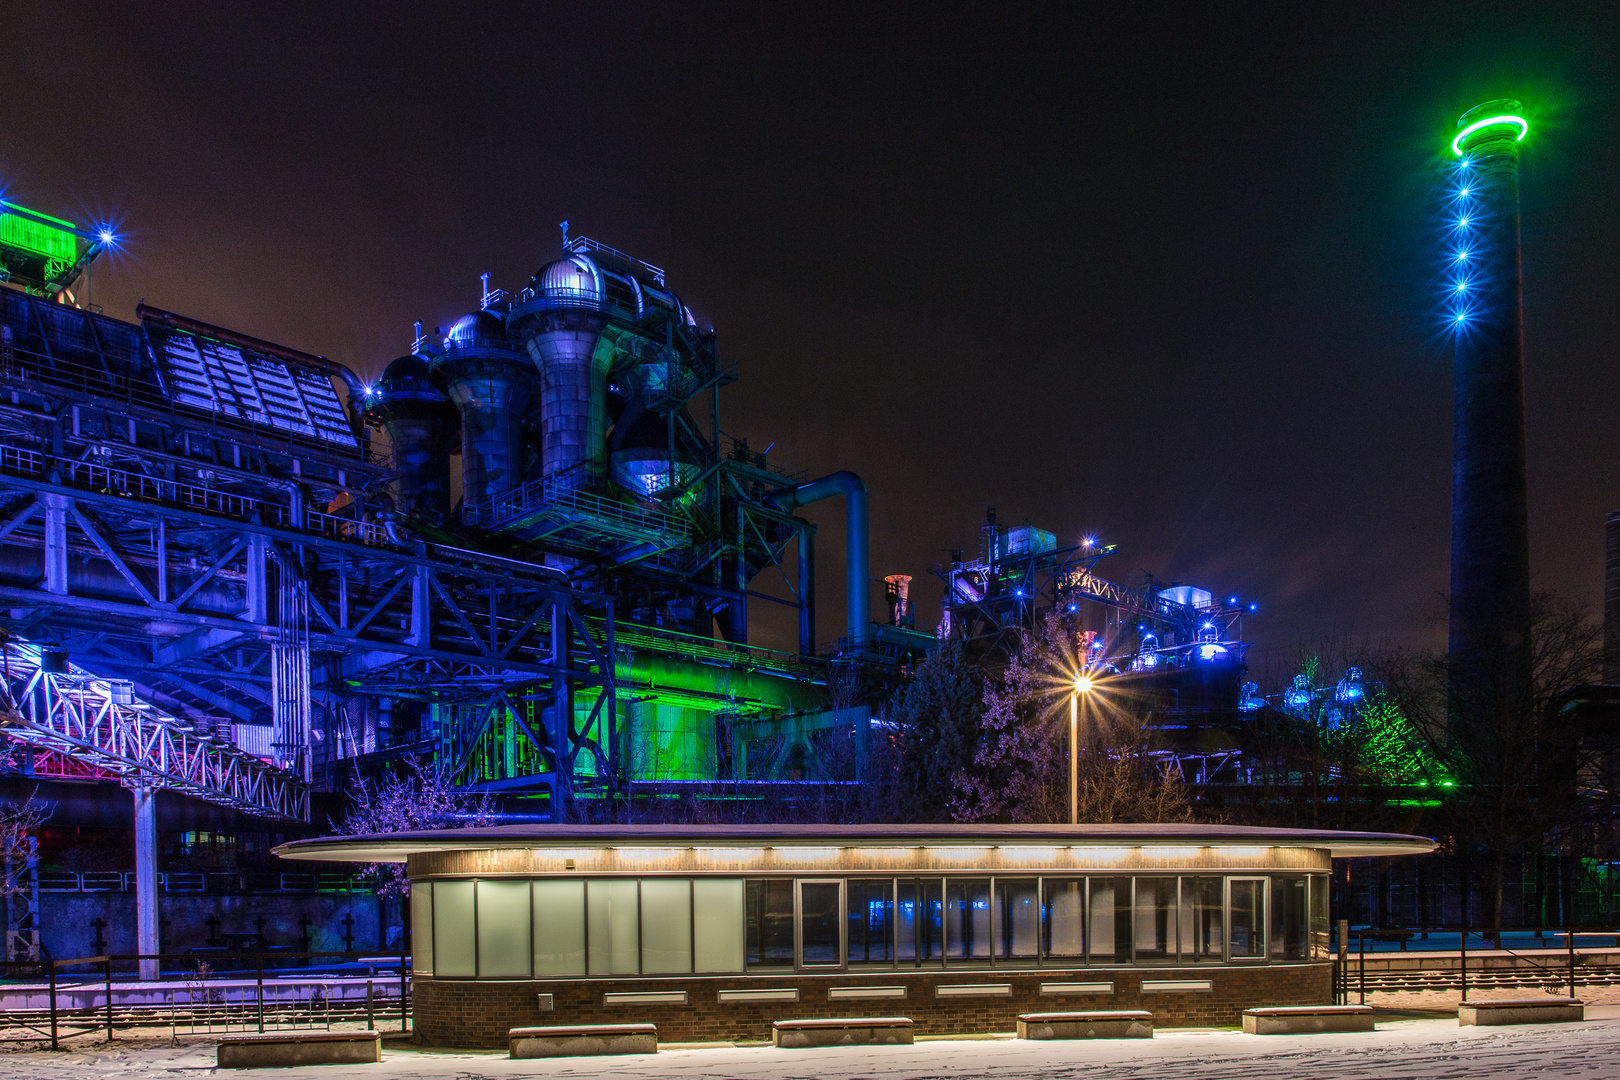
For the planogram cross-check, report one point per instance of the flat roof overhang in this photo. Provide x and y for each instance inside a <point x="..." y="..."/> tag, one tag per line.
<point x="395" y="847"/>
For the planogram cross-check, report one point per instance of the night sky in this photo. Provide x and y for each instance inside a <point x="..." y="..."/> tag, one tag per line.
<point x="1164" y="274"/>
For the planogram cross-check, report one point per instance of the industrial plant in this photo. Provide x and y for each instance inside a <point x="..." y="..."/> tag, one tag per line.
<point x="525" y="556"/>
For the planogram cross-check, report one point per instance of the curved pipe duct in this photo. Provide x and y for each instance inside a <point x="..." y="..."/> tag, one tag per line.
<point x="853" y="489"/>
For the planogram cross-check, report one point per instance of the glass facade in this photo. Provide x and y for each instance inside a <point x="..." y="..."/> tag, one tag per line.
<point x="516" y="928"/>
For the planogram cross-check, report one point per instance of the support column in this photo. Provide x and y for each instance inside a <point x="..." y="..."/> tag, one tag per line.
<point x="258" y="581"/>
<point x="146" y="901"/>
<point x="56" y="515"/>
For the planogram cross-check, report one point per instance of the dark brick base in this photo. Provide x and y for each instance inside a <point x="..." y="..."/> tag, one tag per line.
<point x="469" y="1013"/>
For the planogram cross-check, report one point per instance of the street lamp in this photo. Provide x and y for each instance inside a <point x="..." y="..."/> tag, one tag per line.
<point x="1082" y="685"/>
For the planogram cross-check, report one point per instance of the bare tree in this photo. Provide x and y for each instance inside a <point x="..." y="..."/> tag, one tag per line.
<point x="1020" y="771"/>
<point x="19" y="865"/>
<point x="1513" y="764"/>
<point x="413" y="798"/>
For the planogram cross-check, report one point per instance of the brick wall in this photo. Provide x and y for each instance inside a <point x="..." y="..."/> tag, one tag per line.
<point x="477" y="1013"/>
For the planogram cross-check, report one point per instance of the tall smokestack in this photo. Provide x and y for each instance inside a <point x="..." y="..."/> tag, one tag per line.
<point x="1489" y="652"/>
<point x="1611" y="602"/>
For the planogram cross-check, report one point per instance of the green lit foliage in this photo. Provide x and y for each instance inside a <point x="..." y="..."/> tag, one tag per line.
<point x="1390" y="749"/>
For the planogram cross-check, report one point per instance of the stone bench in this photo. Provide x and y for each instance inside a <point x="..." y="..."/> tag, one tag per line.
<point x="1307" y="1019"/>
<point x="850" y="1031"/>
<point x="1107" y="1024"/>
<point x="1536" y="1010"/>
<point x="582" y="1039"/>
<point x="284" y="1048"/>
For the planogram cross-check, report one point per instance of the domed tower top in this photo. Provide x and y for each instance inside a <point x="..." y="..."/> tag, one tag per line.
<point x="571" y="281"/>
<point x="406" y="383"/>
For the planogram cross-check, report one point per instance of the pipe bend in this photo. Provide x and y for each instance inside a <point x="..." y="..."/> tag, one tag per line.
<point x="857" y="595"/>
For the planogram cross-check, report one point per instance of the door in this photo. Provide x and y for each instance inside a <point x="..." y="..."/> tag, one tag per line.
<point x="1246" y="918"/>
<point x="821" y="924"/>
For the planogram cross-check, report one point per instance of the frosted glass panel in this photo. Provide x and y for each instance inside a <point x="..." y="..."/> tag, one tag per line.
<point x="503" y="930"/>
<point x="1065" y="912"/>
<point x="559" y="928"/>
<point x="717" y="930"/>
<point x="422" y="930"/>
<point x="666" y="926"/>
<point x="453" y="929"/>
<point x="613" y="928"/>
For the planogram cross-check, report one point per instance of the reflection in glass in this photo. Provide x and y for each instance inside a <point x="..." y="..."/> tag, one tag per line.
<point x="1288" y="910"/>
<point x="1156" y="904"/>
<point x="1320" y="947"/>
<point x="770" y="924"/>
<point x="967" y="918"/>
<point x="1017" y="918"/>
<point x="1201" y="919"/>
<point x="818" y="922"/>
<point x="871" y="921"/>
<point x="920" y="910"/>
<point x="1247" y="934"/>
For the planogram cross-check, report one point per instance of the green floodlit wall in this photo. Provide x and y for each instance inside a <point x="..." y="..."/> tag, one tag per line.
<point x="668" y="705"/>
<point x="38" y="238"/>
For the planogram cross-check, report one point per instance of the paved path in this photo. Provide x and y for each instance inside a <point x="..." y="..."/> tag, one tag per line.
<point x="1423" y="1049"/>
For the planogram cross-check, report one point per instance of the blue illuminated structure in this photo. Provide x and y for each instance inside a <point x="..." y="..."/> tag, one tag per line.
<point x="1490" y="559"/>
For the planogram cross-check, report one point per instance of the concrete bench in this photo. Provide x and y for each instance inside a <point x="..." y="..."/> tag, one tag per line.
<point x="1307" y="1019"/>
<point x="582" y="1039"/>
<point x="1107" y="1024"/>
<point x="1536" y="1010"/>
<point x="284" y="1048"/>
<point x="851" y="1031"/>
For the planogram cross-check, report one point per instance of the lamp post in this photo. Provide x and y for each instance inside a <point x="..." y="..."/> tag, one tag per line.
<point x="1082" y="685"/>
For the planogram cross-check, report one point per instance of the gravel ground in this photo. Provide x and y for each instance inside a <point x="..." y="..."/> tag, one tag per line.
<point x="1404" y="1047"/>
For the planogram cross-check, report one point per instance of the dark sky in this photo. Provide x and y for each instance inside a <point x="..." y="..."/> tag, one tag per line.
<point x="1164" y="272"/>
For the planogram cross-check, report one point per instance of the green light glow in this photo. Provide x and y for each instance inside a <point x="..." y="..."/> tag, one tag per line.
<point x="36" y="236"/>
<point x="1524" y="129"/>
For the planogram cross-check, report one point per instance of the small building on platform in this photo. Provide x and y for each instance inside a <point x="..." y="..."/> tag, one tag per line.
<point x="712" y="932"/>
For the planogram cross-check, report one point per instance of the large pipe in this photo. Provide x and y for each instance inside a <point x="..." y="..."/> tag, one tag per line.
<point x="1488" y="647"/>
<point x="856" y="585"/>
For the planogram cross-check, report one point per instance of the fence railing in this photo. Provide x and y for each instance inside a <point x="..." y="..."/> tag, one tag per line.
<point x="1508" y="958"/>
<point x="84" y="995"/>
<point x="212" y="882"/>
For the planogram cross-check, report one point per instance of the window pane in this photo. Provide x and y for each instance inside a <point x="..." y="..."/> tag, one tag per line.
<point x="1320" y="948"/>
<point x="871" y="921"/>
<point x="1247" y="933"/>
<point x="967" y="918"/>
<point x="931" y="937"/>
<point x="453" y="929"/>
<point x="770" y="924"/>
<point x="1018" y="918"/>
<point x="1201" y="919"/>
<point x="1288" y="927"/>
<point x="666" y="926"/>
<point x="1155" y="919"/>
<point x="818" y="922"/>
<point x="613" y="927"/>
<point x="908" y="917"/>
<point x="1110" y="920"/>
<point x="559" y="928"/>
<point x="503" y="930"/>
<point x="717" y="930"/>
<point x="1065" y="918"/>
<point x="422" y="929"/>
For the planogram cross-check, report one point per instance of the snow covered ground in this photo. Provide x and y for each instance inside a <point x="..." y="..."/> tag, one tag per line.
<point x="1430" y="1049"/>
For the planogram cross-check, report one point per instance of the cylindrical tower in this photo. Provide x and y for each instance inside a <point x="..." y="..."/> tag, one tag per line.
<point x="423" y="428"/>
<point x="491" y="382"/>
<point x="1611" y="601"/>
<point x="1490" y="546"/>
<point x="560" y="325"/>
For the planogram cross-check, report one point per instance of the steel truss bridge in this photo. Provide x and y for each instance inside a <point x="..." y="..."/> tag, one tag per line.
<point x="233" y="575"/>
